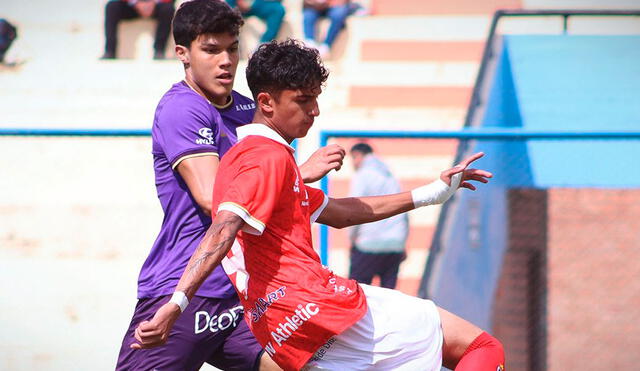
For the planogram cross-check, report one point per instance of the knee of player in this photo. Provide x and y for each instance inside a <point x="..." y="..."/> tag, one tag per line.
<point x="496" y="345"/>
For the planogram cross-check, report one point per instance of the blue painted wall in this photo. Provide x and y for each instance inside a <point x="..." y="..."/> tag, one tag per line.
<point x="548" y="82"/>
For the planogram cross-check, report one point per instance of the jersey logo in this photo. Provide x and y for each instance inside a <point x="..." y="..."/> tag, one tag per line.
<point x="245" y="107"/>
<point x="296" y="185"/>
<point x="207" y="136"/>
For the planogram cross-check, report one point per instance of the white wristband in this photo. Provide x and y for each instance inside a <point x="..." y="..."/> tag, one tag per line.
<point x="436" y="192"/>
<point x="180" y="299"/>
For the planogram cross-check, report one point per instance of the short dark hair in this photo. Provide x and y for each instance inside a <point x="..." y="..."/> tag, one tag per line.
<point x="362" y="147"/>
<point x="198" y="17"/>
<point x="287" y="65"/>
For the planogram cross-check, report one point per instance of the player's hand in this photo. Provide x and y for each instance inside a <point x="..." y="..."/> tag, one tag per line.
<point x="467" y="174"/>
<point x="150" y="334"/>
<point x="321" y="162"/>
<point x="145" y="8"/>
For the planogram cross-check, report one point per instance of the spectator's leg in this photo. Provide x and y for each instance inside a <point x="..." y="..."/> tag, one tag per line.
<point x="361" y="267"/>
<point x="389" y="275"/>
<point x="310" y="18"/>
<point x="272" y="13"/>
<point x="163" y="12"/>
<point x="338" y="16"/>
<point x="114" y="12"/>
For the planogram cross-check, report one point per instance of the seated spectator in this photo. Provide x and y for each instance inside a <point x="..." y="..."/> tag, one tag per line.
<point x="116" y="10"/>
<point x="336" y="10"/>
<point x="271" y="12"/>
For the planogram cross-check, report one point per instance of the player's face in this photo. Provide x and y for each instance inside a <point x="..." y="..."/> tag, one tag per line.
<point x="295" y="110"/>
<point x="212" y="61"/>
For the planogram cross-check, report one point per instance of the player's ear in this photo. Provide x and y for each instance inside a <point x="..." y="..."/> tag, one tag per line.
<point x="183" y="54"/>
<point x="265" y="102"/>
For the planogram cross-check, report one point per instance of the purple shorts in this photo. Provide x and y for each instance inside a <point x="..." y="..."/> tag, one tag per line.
<point x="209" y="330"/>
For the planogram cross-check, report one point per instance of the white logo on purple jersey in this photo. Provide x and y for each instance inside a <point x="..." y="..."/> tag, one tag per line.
<point x="207" y="134"/>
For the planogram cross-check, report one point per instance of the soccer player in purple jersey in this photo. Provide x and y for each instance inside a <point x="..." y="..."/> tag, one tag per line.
<point x="195" y="124"/>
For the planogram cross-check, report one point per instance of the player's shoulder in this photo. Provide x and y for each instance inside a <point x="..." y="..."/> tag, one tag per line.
<point x="180" y="98"/>
<point x="240" y="98"/>
<point x="182" y="107"/>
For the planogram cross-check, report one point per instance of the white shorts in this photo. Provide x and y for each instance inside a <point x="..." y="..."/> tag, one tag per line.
<point x="398" y="332"/>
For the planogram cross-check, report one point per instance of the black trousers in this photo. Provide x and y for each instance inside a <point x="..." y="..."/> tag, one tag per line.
<point x="115" y="11"/>
<point x="364" y="266"/>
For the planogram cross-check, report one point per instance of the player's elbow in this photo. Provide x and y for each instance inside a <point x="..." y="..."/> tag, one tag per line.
<point x="338" y="223"/>
<point x="205" y="204"/>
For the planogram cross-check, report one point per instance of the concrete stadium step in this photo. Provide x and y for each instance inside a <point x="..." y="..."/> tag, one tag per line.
<point x="336" y="115"/>
<point x="405" y="167"/>
<point x="422" y="28"/>
<point x="405" y="147"/>
<point x="413" y="7"/>
<point x="340" y="187"/>
<point x="419" y="239"/>
<point x="411" y="74"/>
<point x="409" y="96"/>
<point x="438" y="51"/>
<point x="109" y="94"/>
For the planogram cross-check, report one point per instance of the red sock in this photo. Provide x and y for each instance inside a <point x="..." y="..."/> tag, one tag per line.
<point x="484" y="354"/>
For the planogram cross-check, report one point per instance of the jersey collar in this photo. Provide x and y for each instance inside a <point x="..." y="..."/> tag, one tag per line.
<point x="263" y="131"/>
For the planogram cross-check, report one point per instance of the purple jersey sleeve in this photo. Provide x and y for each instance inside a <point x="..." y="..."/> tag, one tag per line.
<point x="186" y="127"/>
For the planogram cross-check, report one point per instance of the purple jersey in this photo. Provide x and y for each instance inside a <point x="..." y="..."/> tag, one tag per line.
<point x="186" y="125"/>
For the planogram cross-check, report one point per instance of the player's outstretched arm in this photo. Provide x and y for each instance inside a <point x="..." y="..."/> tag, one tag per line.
<point x="344" y="212"/>
<point x="214" y="246"/>
<point x="321" y="162"/>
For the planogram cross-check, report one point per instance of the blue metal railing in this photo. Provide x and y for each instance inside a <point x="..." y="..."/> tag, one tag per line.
<point x="75" y="132"/>
<point x="466" y="134"/>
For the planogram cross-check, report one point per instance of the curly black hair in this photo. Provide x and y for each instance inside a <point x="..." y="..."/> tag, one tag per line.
<point x="197" y="17"/>
<point x="287" y="65"/>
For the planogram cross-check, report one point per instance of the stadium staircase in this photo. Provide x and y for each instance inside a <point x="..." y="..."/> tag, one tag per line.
<point x="411" y="65"/>
<point x="78" y="216"/>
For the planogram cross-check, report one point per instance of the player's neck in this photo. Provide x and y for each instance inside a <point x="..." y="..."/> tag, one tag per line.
<point x="258" y="118"/>
<point x="218" y="102"/>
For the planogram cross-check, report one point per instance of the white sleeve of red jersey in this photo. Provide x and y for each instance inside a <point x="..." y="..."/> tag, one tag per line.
<point x="317" y="202"/>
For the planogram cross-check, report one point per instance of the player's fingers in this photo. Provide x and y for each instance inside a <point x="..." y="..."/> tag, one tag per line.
<point x="471" y="159"/>
<point x="468" y="186"/>
<point x="335" y="158"/>
<point x="335" y="149"/>
<point x="454" y="170"/>
<point x="149" y="334"/>
<point x="135" y="346"/>
<point x="152" y="340"/>
<point x="480" y="172"/>
<point x="477" y="178"/>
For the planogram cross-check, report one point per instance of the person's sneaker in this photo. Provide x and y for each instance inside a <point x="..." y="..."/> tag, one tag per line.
<point x="158" y="55"/>
<point x="108" y="55"/>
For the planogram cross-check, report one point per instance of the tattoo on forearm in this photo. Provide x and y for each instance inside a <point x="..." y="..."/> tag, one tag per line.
<point x="205" y="252"/>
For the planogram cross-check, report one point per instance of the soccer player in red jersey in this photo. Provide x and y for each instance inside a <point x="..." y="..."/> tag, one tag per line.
<point x="304" y="315"/>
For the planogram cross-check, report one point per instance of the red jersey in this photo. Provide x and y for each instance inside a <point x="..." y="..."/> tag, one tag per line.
<point x="293" y="304"/>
